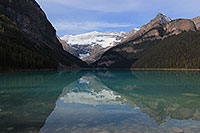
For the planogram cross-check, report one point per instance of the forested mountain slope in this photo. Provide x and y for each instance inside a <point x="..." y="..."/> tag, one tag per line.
<point x="181" y="51"/>
<point x="28" y="40"/>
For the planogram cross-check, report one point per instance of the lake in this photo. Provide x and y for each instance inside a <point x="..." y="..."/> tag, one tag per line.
<point x="100" y="101"/>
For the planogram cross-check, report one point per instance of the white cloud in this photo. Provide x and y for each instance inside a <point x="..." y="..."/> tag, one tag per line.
<point x="84" y="26"/>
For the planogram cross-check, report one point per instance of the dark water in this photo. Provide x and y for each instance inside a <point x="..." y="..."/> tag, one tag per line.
<point x="100" y="101"/>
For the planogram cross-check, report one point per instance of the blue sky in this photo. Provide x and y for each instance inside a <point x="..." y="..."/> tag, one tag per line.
<point x="81" y="16"/>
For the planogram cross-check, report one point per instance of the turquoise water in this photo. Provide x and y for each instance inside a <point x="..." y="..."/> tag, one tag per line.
<point x="100" y="101"/>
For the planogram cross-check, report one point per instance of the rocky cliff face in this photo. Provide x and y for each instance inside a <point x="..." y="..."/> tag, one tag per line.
<point x="68" y="47"/>
<point x="32" y="22"/>
<point x="176" y="27"/>
<point x="29" y="18"/>
<point x="197" y="22"/>
<point x="133" y="47"/>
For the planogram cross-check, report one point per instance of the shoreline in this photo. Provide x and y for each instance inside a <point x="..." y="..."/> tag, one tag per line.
<point x="164" y="69"/>
<point x="100" y="69"/>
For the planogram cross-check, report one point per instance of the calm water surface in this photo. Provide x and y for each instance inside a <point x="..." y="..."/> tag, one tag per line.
<point x="100" y="101"/>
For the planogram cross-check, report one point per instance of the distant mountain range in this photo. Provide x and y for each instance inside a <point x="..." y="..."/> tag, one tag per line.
<point x="103" y="39"/>
<point x="90" y="46"/>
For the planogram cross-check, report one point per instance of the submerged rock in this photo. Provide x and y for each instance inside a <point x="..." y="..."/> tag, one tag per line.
<point x="178" y="130"/>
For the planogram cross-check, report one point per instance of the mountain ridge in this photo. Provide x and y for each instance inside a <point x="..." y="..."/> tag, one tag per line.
<point x="131" y="49"/>
<point x="159" y="20"/>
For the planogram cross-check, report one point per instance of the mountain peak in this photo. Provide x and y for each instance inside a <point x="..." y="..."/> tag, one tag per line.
<point x="162" y="18"/>
<point x="161" y="14"/>
<point x="159" y="20"/>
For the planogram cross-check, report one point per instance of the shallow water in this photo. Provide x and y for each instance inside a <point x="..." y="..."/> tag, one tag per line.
<point x="100" y="101"/>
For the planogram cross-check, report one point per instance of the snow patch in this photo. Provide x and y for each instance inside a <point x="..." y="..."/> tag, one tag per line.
<point x="81" y="56"/>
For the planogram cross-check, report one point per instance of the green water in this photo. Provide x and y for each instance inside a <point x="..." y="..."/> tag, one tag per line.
<point x="100" y="101"/>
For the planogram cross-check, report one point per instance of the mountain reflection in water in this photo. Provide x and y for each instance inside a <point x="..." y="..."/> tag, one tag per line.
<point x="100" y="101"/>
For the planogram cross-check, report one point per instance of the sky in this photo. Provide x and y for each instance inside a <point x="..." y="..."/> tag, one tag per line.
<point x="82" y="16"/>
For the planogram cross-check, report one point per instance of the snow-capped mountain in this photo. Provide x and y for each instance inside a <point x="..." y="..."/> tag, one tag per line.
<point x="90" y="46"/>
<point x="104" y="39"/>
